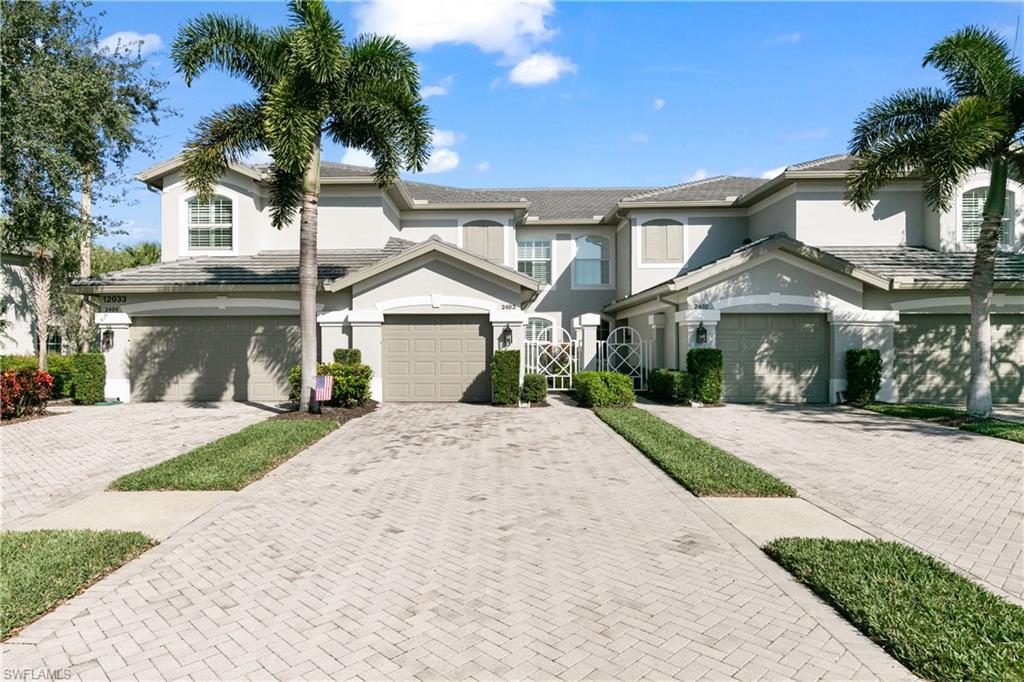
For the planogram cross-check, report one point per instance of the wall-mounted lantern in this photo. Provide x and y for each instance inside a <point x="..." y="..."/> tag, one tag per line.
<point x="107" y="340"/>
<point x="506" y="337"/>
<point x="701" y="334"/>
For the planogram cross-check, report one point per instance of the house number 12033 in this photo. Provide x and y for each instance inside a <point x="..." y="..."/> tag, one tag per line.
<point x="112" y="303"/>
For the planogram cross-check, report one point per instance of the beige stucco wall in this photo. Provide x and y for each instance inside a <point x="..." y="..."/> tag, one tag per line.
<point x="17" y="339"/>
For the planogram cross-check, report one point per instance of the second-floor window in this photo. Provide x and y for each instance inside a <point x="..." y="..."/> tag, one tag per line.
<point x="592" y="267"/>
<point x="484" y="238"/>
<point x="972" y="208"/>
<point x="662" y="241"/>
<point x="533" y="258"/>
<point x="209" y="223"/>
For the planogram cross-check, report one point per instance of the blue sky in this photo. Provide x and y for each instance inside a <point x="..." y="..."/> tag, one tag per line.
<point x="597" y="94"/>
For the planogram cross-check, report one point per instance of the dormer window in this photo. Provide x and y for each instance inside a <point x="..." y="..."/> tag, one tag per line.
<point x="971" y="215"/>
<point x="210" y="223"/>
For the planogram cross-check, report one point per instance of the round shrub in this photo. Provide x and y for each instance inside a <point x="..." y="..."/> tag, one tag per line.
<point x="863" y="375"/>
<point x="671" y="386"/>
<point x="89" y="375"/>
<point x="24" y="391"/>
<point x="535" y="388"/>
<point x="351" y="383"/>
<point x="603" y="389"/>
<point x="705" y="365"/>
<point x="348" y="356"/>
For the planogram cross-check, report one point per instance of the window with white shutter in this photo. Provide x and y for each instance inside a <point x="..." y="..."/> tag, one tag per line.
<point x="209" y="223"/>
<point x="972" y="206"/>
<point x="533" y="258"/>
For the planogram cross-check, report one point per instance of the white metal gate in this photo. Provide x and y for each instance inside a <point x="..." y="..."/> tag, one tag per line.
<point x="626" y="352"/>
<point x="553" y="354"/>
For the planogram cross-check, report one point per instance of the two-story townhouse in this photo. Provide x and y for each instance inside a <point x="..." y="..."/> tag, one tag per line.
<point x="428" y="280"/>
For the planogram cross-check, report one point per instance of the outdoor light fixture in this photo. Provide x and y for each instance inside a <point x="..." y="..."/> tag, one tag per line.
<point x="702" y="334"/>
<point x="107" y="340"/>
<point x="506" y="337"/>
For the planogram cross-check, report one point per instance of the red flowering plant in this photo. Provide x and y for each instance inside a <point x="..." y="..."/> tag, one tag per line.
<point x="24" y="391"/>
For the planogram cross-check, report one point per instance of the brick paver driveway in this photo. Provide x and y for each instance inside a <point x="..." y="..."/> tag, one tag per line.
<point x="954" y="494"/>
<point x="452" y="541"/>
<point x="50" y="462"/>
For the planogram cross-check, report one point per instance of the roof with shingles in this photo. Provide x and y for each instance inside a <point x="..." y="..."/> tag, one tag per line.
<point x="921" y="264"/>
<point x="836" y="162"/>
<point x="718" y="188"/>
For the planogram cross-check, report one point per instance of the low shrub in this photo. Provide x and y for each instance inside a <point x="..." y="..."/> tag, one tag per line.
<point x="348" y="356"/>
<point x="535" y="388"/>
<point x="24" y="391"/>
<point x="60" y="368"/>
<point x="671" y="386"/>
<point x="351" y="383"/>
<point x="705" y="365"/>
<point x="863" y="375"/>
<point x="505" y="377"/>
<point x="89" y="375"/>
<point x="17" y="362"/>
<point x="603" y="389"/>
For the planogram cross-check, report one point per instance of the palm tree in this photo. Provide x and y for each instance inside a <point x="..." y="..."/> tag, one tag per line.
<point x="943" y="136"/>
<point x="309" y="83"/>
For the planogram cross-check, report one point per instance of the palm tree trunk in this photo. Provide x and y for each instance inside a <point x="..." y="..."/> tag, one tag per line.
<point x="85" y="264"/>
<point x="40" y="278"/>
<point x="308" y="276"/>
<point x="979" y="391"/>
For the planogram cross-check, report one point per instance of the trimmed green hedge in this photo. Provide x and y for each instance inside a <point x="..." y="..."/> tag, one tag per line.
<point x="863" y="375"/>
<point x="16" y="362"/>
<point x="505" y="377"/>
<point x="58" y="366"/>
<point x="89" y="375"/>
<point x="671" y="386"/>
<point x="603" y="389"/>
<point x="348" y="356"/>
<point x="705" y="365"/>
<point x="535" y="388"/>
<point x="351" y="383"/>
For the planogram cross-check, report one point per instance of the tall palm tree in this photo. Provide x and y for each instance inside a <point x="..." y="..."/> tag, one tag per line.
<point x="943" y="136"/>
<point x="309" y="83"/>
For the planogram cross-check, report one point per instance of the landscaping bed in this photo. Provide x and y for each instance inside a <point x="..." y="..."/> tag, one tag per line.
<point x="234" y="461"/>
<point x="938" y="624"/>
<point x="951" y="416"/>
<point x="332" y="413"/>
<point x="39" y="569"/>
<point x="702" y="468"/>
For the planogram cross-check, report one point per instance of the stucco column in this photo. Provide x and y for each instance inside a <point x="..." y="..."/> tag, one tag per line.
<point x="660" y="355"/>
<point x="365" y="328"/>
<point x="586" y="326"/>
<point x="514" y="320"/>
<point x="862" y="329"/>
<point x="113" y="329"/>
<point x="688" y="322"/>
<point x="334" y="333"/>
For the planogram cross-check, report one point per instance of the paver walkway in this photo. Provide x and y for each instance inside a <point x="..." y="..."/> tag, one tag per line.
<point x="950" y="493"/>
<point x="53" y="461"/>
<point x="455" y="541"/>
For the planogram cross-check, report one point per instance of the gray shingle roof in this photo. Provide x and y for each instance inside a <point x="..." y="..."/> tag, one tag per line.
<point x="263" y="268"/>
<point x="922" y="264"/>
<point x="718" y="188"/>
<point x="836" y="162"/>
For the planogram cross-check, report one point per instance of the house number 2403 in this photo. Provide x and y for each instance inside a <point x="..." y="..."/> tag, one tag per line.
<point x="509" y="306"/>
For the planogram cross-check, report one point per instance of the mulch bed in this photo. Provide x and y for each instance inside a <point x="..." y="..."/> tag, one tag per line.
<point x="29" y="417"/>
<point x="329" y="412"/>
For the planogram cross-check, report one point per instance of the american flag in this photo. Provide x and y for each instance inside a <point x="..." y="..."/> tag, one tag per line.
<point x="323" y="388"/>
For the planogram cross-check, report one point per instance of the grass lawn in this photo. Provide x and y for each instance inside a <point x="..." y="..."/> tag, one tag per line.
<point x="41" y="568"/>
<point x="231" y="462"/>
<point x="951" y="416"/>
<point x="938" y="624"/>
<point x="700" y="467"/>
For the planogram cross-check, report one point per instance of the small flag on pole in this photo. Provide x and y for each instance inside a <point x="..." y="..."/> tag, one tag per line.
<point x="324" y="388"/>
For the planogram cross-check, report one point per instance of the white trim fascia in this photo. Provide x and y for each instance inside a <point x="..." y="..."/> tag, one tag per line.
<point x="642" y="308"/>
<point x="698" y="315"/>
<point x="998" y="300"/>
<point x="499" y="316"/>
<point x="860" y="317"/>
<point x="436" y="301"/>
<point x="223" y="303"/>
<point x="112" y="320"/>
<point x="367" y="318"/>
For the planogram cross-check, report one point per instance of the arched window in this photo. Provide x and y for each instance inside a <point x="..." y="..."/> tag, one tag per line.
<point x="592" y="266"/>
<point x="209" y="223"/>
<point x="534" y="326"/>
<point x="661" y="241"/>
<point x="972" y="206"/>
<point x="485" y="238"/>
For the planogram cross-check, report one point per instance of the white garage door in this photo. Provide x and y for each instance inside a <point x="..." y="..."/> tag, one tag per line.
<point x="212" y="358"/>
<point x="436" y="358"/>
<point x="774" y="358"/>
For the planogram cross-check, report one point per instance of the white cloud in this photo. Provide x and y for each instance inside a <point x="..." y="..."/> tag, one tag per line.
<point x="446" y="138"/>
<point x="357" y="157"/>
<point x="442" y="160"/>
<point x="540" y="68"/>
<point x="772" y="172"/>
<point x="658" y="104"/>
<point x="509" y="28"/>
<point x="783" y="39"/>
<point x="699" y="174"/>
<point x="130" y="40"/>
<point x="483" y="167"/>
<point x="638" y="138"/>
<point x="440" y="88"/>
<point x="810" y="134"/>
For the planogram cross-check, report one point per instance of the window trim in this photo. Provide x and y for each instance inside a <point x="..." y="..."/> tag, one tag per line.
<point x="183" y="233"/>
<point x="611" y="262"/>
<point x="551" y="259"/>
<point x="507" y="235"/>
<point x="536" y="316"/>
<point x="1012" y="236"/>
<point x="643" y="264"/>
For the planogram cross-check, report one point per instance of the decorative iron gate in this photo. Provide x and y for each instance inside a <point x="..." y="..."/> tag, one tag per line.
<point x="553" y="354"/>
<point x="626" y="352"/>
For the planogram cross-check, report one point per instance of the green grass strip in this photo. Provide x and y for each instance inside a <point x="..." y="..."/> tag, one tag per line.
<point x="41" y="568"/>
<point x="951" y="416"/>
<point x="938" y="624"/>
<point x="700" y="467"/>
<point x="231" y="462"/>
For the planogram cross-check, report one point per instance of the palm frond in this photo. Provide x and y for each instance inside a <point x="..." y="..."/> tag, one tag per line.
<point x="976" y="61"/>
<point x="317" y="45"/>
<point x="285" y="196"/>
<point x="907" y="112"/>
<point x="884" y="162"/>
<point x="383" y="59"/>
<point x="293" y="116"/>
<point x="219" y="139"/>
<point x="232" y="44"/>
<point x="1015" y="165"/>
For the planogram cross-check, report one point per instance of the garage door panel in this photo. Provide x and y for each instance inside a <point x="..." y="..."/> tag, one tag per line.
<point x="448" y="355"/>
